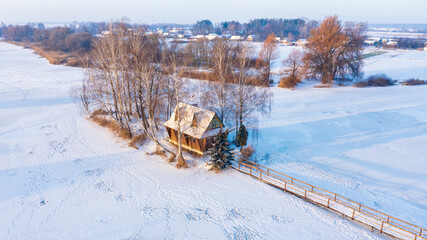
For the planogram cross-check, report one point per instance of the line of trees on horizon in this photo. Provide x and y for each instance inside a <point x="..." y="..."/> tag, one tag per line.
<point x="262" y="27"/>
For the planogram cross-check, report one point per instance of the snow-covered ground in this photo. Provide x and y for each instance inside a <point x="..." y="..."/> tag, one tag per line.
<point x="398" y="64"/>
<point x="382" y="33"/>
<point x="366" y="144"/>
<point x="63" y="177"/>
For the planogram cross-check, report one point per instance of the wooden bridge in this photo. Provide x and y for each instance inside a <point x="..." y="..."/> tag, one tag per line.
<point x="383" y="222"/>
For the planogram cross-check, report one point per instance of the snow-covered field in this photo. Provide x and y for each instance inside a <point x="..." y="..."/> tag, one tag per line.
<point x="398" y="64"/>
<point x="62" y="177"/>
<point x="383" y="33"/>
<point x="366" y="144"/>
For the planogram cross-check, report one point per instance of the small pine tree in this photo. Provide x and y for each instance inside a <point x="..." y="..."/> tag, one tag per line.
<point x="220" y="152"/>
<point x="242" y="136"/>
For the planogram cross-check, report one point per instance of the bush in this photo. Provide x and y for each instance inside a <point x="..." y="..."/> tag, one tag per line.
<point x="99" y="111"/>
<point x="112" y="125"/>
<point x="137" y="140"/>
<point x="376" y="81"/>
<point x="247" y="152"/>
<point x="414" y="82"/>
<point x="289" y="82"/>
<point x="323" y="85"/>
<point x="361" y="84"/>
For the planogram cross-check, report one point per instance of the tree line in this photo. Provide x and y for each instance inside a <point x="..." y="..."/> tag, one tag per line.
<point x="284" y="28"/>
<point x="50" y="39"/>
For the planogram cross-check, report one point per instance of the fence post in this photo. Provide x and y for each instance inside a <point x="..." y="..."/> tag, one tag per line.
<point x="285" y="186"/>
<point x="352" y="217"/>
<point x="239" y="165"/>
<point x="382" y="225"/>
<point x="388" y="219"/>
<point x="305" y="194"/>
<point x="360" y="207"/>
<point x="268" y="172"/>
<point x="335" y="198"/>
<point x="328" y="202"/>
<point x="250" y="171"/>
<point x="260" y="175"/>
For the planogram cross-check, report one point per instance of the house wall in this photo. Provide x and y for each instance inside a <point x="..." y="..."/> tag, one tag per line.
<point x="193" y="144"/>
<point x="187" y="142"/>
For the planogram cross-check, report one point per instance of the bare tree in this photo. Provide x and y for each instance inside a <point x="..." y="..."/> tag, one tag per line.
<point x="183" y="92"/>
<point x="106" y="78"/>
<point x="293" y="69"/>
<point x="197" y="53"/>
<point x="124" y="80"/>
<point x="247" y="99"/>
<point x="268" y="53"/>
<point x="147" y="80"/>
<point x="217" y="92"/>
<point x="335" y="52"/>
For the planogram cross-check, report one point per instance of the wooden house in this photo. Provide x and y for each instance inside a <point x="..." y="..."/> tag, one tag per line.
<point x="198" y="127"/>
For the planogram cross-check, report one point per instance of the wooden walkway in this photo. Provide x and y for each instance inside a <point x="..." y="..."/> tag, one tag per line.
<point x="356" y="211"/>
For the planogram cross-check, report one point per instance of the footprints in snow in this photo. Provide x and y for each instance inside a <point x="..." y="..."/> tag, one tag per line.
<point x="197" y="214"/>
<point x="57" y="146"/>
<point x="280" y="219"/>
<point x="95" y="172"/>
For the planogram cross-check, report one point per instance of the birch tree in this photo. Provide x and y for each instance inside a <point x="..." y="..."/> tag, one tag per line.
<point x="268" y="53"/>
<point x="248" y="100"/>
<point x="106" y="78"/>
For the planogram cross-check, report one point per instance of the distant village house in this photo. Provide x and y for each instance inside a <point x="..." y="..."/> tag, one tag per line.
<point x="252" y="38"/>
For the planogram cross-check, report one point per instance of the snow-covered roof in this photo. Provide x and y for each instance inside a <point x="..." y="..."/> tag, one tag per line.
<point x="195" y="121"/>
<point x="212" y="37"/>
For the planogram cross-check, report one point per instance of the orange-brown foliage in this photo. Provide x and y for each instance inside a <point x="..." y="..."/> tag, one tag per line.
<point x="334" y="51"/>
<point x="113" y="126"/>
<point x="247" y="152"/>
<point x="137" y="140"/>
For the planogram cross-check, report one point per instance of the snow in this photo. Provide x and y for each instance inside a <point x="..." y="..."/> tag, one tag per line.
<point x="64" y="177"/>
<point x="389" y="34"/>
<point x="398" y="64"/>
<point x="365" y="144"/>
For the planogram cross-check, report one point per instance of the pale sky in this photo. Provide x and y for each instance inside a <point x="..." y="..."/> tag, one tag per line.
<point x="189" y="11"/>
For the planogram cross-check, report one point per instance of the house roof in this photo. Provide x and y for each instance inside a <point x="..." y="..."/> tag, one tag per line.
<point x="194" y="121"/>
<point x="235" y="38"/>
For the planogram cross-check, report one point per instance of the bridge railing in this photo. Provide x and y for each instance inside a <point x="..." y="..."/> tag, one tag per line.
<point x="356" y="211"/>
